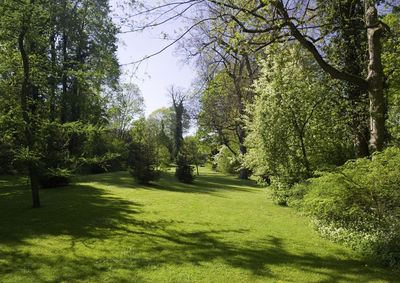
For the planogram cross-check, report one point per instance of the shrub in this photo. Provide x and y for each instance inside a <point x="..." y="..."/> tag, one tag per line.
<point x="55" y="177"/>
<point x="109" y="162"/>
<point x="143" y="163"/>
<point x="226" y="161"/>
<point x="6" y="157"/>
<point x="280" y="192"/>
<point x="184" y="171"/>
<point x="360" y="204"/>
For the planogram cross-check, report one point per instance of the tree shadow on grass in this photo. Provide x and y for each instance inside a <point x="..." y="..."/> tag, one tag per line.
<point x="206" y="183"/>
<point x="96" y="218"/>
<point x="172" y="247"/>
<point x="259" y="257"/>
<point x="79" y="211"/>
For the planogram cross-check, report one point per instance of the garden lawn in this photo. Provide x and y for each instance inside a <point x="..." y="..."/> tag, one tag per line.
<point x="106" y="228"/>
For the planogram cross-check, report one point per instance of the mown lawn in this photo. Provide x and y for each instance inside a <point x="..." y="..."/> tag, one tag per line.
<point x="105" y="228"/>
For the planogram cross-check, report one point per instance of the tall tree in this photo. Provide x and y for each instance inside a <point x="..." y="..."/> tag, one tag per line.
<point x="59" y="57"/>
<point x="220" y="62"/>
<point x="28" y="93"/>
<point x="178" y="97"/>
<point x="277" y="20"/>
<point x="126" y="105"/>
<point x="348" y="50"/>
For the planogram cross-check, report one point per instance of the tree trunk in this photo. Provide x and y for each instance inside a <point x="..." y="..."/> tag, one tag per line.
<point x="24" y="95"/>
<point x="306" y="162"/>
<point x="350" y="15"/>
<point x="64" y="101"/>
<point x="178" y="135"/>
<point x="244" y="172"/>
<point x="375" y="78"/>
<point x="53" y="80"/>
<point x="374" y="82"/>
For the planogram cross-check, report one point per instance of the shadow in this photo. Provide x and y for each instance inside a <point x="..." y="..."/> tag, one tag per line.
<point x="90" y="234"/>
<point x="206" y="183"/>
<point x="259" y="257"/>
<point x="13" y="181"/>
<point x="79" y="211"/>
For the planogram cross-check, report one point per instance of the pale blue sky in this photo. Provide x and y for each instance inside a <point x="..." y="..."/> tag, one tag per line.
<point x="154" y="75"/>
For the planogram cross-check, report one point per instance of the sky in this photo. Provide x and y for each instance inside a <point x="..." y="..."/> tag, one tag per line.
<point x="155" y="74"/>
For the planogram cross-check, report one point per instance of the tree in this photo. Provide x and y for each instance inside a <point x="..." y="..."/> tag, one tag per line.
<point x="293" y="128"/>
<point x="178" y="97"/>
<point x="348" y="50"/>
<point x="300" y="20"/>
<point x="184" y="169"/>
<point x="232" y="66"/>
<point x="218" y="113"/>
<point x="126" y="105"/>
<point x="23" y="28"/>
<point x="391" y="62"/>
<point x="195" y="153"/>
<point x="56" y="58"/>
<point x="143" y="158"/>
<point x="276" y="16"/>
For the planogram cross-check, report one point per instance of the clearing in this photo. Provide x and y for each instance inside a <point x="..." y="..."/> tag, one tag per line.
<point x="105" y="228"/>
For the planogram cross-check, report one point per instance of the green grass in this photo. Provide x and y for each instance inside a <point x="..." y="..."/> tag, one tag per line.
<point x="220" y="229"/>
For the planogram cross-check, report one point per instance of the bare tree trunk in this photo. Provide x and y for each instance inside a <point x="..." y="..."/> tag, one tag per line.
<point x="375" y="78"/>
<point x="64" y="102"/>
<point x="52" y="80"/>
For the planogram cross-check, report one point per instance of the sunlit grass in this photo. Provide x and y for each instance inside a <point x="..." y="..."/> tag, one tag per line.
<point x="106" y="228"/>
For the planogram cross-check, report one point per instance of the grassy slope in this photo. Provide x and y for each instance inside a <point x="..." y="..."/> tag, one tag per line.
<point x="106" y="229"/>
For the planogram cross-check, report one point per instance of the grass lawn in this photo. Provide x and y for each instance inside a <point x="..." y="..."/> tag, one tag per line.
<point x="220" y="229"/>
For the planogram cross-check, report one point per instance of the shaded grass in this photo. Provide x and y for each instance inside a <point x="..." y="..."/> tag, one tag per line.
<point x="106" y="228"/>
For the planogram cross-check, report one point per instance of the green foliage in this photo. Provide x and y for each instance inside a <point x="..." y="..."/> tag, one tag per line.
<point x="359" y="204"/>
<point x="391" y="61"/>
<point x="10" y="127"/>
<point x="225" y="161"/>
<point x="143" y="158"/>
<point x="126" y="104"/>
<point x="295" y="124"/>
<point x="143" y="163"/>
<point x="184" y="170"/>
<point x="56" y="58"/>
<point x="280" y="192"/>
<point x="55" y="177"/>
<point x="164" y="156"/>
<point x="196" y="151"/>
<point x="107" y="162"/>
<point x="101" y="151"/>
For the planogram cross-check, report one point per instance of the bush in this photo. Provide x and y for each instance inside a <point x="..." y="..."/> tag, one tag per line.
<point x="7" y="158"/>
<point x="184" y="171"/>
<point x="53" y="178"/>
<point x="226" y="162"/>
<point x="109" y="162"/>
<point x="280" y="192"/>
<point x="360" y="204"/>
<point x="143" y="163"/>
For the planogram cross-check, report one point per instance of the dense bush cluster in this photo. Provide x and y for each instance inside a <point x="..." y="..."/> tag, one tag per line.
<point x="359" y="204"/>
